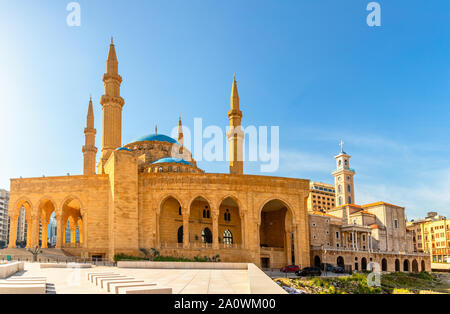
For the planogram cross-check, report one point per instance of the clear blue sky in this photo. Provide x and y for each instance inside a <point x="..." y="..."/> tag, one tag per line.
<point x="312" y="67"/>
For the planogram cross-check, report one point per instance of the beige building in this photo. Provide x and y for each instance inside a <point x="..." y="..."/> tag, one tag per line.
<point x="355" y="236"/>
<point x="321" y="197"/>
<point x="432" y="236"/>
<point x="150" y="193"/>
<point x="4" y="217"/>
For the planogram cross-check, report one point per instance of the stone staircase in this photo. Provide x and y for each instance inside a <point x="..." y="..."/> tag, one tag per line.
<point x="47" y="255"/>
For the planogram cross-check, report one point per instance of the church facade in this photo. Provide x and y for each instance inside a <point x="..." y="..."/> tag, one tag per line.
<point x="151" y="194"/>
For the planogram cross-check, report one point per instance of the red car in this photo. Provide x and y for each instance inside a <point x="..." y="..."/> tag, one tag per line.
<point x="290" y="269"/>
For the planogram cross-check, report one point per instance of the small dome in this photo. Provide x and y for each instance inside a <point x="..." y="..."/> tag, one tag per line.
<point x="157" y="137"/>
<point x="124" y="148"/>
<point x="174" y="160"/>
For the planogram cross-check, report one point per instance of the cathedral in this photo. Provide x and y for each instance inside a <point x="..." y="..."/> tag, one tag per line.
<point x="151" y="194"/>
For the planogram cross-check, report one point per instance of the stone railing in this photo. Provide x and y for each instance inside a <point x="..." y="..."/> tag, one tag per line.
<point x="199" y="245"/>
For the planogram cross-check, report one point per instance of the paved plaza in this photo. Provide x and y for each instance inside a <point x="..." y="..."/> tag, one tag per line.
<point x="182" y="281"/>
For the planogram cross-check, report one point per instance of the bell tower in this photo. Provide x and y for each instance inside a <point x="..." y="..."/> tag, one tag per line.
<point x="235" y="134"/>
<point x="343" y="179"/>
<point x="112" y="105"/>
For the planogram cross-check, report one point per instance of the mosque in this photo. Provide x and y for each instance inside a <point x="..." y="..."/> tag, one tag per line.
<point x="151" y="194"/>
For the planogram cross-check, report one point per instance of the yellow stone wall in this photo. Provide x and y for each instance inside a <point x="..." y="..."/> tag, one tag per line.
<point x="123" y="210"/>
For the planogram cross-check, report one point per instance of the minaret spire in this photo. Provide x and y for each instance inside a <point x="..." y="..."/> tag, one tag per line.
<point x="180" y="132"/>
<point x="112" y="105"/>
<point x="235" y="134"/>
<point x="89" y="149"/>
<point x="234" y="99"/>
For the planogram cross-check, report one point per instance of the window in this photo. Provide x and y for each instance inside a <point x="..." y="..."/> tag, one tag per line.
<point x="339" y="188"/>
<point x="206" y="236"/>
<point x="227" y="237"/>
<point x="396" y="224"/>
<point x="179" y="211"/>
<point x="206" y="212"/>
<point x="349" y="188"/>
<point x="227" y="216"/>
<point x="349" y="199"/>
<point x="340" y="201"/>
<point x="337" y="235"/>
<point x="313" y="224"/>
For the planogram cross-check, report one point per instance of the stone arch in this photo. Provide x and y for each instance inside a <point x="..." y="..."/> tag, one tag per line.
<point x="21" y="224"/>
<point x="197" y="196"/>
<point x="166" y="197"/>
<point x="406" y="265"/>
<point x="397" y="264"/>
<point x="422" y="266"/>
<point x="68" y="219"/>
<point x="46" y="207"/>
<point x="229" y="218"/>
<point x="340" y="261"/>
<point x="232" y="196"/>
<point x="287" y="204"/>
<point x="197" y="222"/>
<point x="363" y="263"/>
<point x="275" y="232"/>
<point x="415" y="266"/>
<point x="317" y="261"/>
<point x="170" y="221"/>
<point x="23" y="201"/>
<point x="384" y="266"/>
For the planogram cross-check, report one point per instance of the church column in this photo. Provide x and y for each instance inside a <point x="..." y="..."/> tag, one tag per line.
<point x="13" y="231"/>
<point x="215" y="220"/>
<point x="185" y="228"/>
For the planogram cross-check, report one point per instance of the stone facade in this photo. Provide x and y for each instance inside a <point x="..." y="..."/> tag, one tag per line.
<point x="151" y="194"/>
<point x="432" y="236"/>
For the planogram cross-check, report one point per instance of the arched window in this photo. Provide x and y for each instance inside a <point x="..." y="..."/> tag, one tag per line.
<point x="160" y="169"/>
<point x="227" y="237"/>
<point x="349" y="199"/>
<point x="206" y="236"/>
<point x="227" y="216"/>
<point x="340" y="200"/>
<point x="349" y="188"/>
<point x="180" y="234"/>
<point x="339" y="188"/>
<point x="206" y="212"/>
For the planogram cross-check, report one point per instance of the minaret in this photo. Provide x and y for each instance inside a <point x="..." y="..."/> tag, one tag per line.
<point x="180" y="132"/>
<point x="235" y="134"/>
<point x="112" y="105"/>
<point x="343" y="179"/>
<point x="89" y="149"/>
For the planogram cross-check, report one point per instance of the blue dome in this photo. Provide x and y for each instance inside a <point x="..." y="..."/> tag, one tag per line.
<point x="124" y="148"/>
<point x="175" y="160"/>
<point x="157" y="137"/>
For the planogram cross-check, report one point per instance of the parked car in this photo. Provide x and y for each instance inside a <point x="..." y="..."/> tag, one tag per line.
<point x="290" y="269"/>
<point x="309" y="271"/>
<point x="338" y="270"/>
